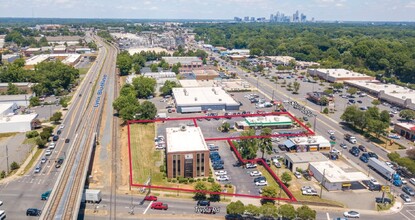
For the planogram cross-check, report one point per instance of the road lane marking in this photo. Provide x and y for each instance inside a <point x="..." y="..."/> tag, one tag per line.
<point x="147" y="207"/>
<point x="328" y="216"/>
<point x="405" y="216"/>
<point x="409" y="212"/>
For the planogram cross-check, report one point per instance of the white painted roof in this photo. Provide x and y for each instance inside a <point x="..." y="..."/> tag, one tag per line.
<point x="202" y="96"/>
<point x="335" y="174"/>
<point x="320" y="140"/>
<point x="16" y="118"/>
<point x="182" y="140"/>
<point x="182" y="60"/>
<point x="340" y="73"/>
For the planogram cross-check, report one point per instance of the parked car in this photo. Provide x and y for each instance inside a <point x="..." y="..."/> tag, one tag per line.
<point x="405" y="198"/>
<point x="218" y="167"/>
<point x="352" y="214"/>
<point x="255" y="173"/>
<point x="297" y="174"/>
<point x="384" y="200"/>
<point x="412" y="180"/>
<point x="277" y="164"/>
<point x="38" y="169"/>
<point x="261" y="183"/>
<point x="408" y="190"/>
<point x="33" y="212"/>
<point x="258" y="179"/>
<point x="43" y="160"/>
<point x="221" y="173"/>
<point x="331" y="132"/>
<point x="332" y="137"/>
<point x="55" y="138"/>
<point x="222" y="178"/>
<point x="250" y="166"/>
<point x="150" y="198"/>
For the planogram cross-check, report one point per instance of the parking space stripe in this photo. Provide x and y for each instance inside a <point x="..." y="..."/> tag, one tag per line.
<point x="405" y="216"/>
<point x="409" y="212"/>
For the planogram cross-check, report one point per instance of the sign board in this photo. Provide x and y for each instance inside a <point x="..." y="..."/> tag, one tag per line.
<point x="332" y="142"/>
<point x="386" y="189"/>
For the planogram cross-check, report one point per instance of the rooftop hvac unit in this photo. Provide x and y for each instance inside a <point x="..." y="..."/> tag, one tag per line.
<point x="403" y="97"/>
<point x="185" y="92"/>
<point x="8" y="118"/>
<point x="195" y="99"/>
<point x="182" y="127"/>
<point x="220" y="100"/>
<point x="347" y="72"/>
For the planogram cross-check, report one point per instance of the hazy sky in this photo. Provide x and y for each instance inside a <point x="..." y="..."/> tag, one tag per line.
<point x="352" y="10"/>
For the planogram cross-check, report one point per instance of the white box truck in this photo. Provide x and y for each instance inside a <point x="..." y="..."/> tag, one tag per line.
<point x="92" y="196"/>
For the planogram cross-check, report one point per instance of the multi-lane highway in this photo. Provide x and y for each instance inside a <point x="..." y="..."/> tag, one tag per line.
<point x="24" y="192"/>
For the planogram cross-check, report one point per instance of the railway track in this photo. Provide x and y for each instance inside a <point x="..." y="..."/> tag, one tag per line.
<point x="72" y="180"/>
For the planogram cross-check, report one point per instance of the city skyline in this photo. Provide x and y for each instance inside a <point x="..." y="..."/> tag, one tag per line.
<point x="323" y="10"/>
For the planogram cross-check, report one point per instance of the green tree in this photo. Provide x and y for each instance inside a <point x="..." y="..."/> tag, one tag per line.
<point x="305" y="213"/>
<point x="32" y="134"/>
<point x="14" y="166"/>
<point x="326" y="111"/>
<point x="125" y="100"/>
<point x="225" y="127"/>
<point x="34" y="101"/>
<point x="129" y="112"/>
<point x="3" y="174"/>
<point x="144" y="86"/>
<point x="324" y="101"/>
<point x="56" y="117"/>
<point x="385" y="117"/>
<point x="248" y="147"/>
<point x="407" y="114"/>
<point x="265" y="144"/>
<point x="40" y="142"/>
<point x="176" y="68"/>
<point x="287" y="211"/>
<point x="147" y="110"/>
<point x="215" y="187"/>
<point x="12" y="89"/>
<point x="201" y="186"/>
<point x="168" y="86"/>
<point x="352" y="91"/>
<point x="154" y="67"/>
<point x="338" y="85"/>
<point x="296" y="87"/>
<point x="270" y="192"/>
<point x="269" y="210"/>
<point x="128" y="89"/>
<point x="235" y="208"/>
<point x="252" y="210"/>
<point x="286" y="178"/>
<point x="124" y="63"/>
<point x="375" y="102"/>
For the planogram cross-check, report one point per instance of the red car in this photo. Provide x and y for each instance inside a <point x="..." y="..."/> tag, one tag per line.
<point x="150" y="198"/>
<point x="159" y="205"/>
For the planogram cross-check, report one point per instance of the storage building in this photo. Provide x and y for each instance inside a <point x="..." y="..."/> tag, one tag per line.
<point x="293" y="161"/>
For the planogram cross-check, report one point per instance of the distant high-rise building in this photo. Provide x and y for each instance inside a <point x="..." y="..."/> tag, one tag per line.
<point x="303" y="18"/>
<point x="278" y="17"/>
<point x="246" y="18"/>
<point x="271" y="18"/>
<point x="252" y="19"/>
<point x="238" y="19"/>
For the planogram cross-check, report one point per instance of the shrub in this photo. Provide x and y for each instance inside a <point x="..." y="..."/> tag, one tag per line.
<point x="204" y="179"/>
<point x="162" y="169"/>
<point x="2" y="174"/>
<point x="211" y="180"/>
<point x="14" y="166"/>
<point x="326" y="111"/>
<point x="174" y="181"/>
<point x="169" y="180"/>
<point x="32" y="134"/>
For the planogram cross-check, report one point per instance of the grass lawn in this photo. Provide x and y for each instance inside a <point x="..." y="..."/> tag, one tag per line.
<point x="143" y="153"/>
<point x="6" y="135"/>
<point x="33" y="160"/>
<point x="384" y="207"/>
<point x="271" y="181"/>
<point x="385" y="143"/>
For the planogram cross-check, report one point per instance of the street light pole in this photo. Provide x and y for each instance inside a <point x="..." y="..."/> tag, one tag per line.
<point x="322" y="182"/>
<point x="7" y="159"/>
<point x="314" y="125"/>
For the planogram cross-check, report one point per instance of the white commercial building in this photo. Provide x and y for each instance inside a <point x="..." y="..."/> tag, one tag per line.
<point x="20" y="100"/>
<point x="9" y="122"/>
<point x="338" y="75"/>
<point x="66" y="58"/>
<point x="203" y="98"/>
<point x="305" y="144"/>
<point x="270" y="121"/>
<point x="294" y="161"/>
<point x="394" y="94"/>
<point x="187" y="152"/>
<point x="333" y="177"/>
<point x="184" y="61"/>
<point x="280" y="60"/>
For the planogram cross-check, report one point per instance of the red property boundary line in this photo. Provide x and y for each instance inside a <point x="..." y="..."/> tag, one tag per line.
<point x="229" y="140"/>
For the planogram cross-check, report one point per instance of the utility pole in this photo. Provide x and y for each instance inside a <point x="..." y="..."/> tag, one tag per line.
<point x="322" y="182"/>
<point x="7" y="159"/>
<point x="315" y="121"/>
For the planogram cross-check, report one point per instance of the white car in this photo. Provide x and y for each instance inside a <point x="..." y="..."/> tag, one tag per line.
<point x="331" y="132"/>
<point x="221" y="173"/>
<point x="48" y="152"/>
<point x="61" y="126"/>
<point x="405" y="198"/>
<point x="52" y="145"/>
<point x="412" y="180"/>
<point x="250" y="166"/>
<point x="1" y="203"/>
<point x="261" y="183"/>
<point x="352" y="214"/>
<point x="255" y="173"/>
<point x="37" y="169"/>
<point x="297" y="174"/>
<point x="222" y="178"/>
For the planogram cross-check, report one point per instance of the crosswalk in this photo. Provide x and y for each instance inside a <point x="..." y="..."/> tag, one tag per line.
<point x="39" y="179"/>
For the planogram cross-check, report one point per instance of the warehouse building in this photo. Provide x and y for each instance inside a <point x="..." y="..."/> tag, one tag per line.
<point x="22" y="86"/>
<point x="269" y="121"/>
<point x="9" y="122"/>
<point x="20" y="100"/>
<point x="338" y="75"/>
<point x="333" y="177"/>
<point x="391" y="93"/>
<point x="305" y="144"/>
<point x="294" y="161"/>
<point x="205" y="74"/>
<point x="65" y="58"/>
<point x="199" y="99"/>
<point x="190" y="62"/>
<point x="406" y="130"/>
<point x="187" y="153"/>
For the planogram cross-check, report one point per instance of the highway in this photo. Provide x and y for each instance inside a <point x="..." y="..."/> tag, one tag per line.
<point x="65" y="199"/>
<point x="24" y="192"/>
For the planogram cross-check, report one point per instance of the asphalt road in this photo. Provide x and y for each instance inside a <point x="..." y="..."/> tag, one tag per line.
<point x="24" y="192"/>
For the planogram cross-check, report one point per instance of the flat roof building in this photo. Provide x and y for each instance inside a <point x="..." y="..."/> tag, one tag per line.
<point x="9" y="122"/>
<point x="406" y="130"/>
<point x="270" y="121"/>
<point x="184" y="61"/>
<point x="23" y="86"/>
<point x="294" y="161"/>
<point x="333" y="177"/>
<point x="280" y="60"/>
<point x="203" y="98"/>
<point x="305" y="144"/>
<point x="20" y="100"/>
<point x="206" y="74"/>
<point x="394" y="94"/>
<point x="187" y="152"/>
<point x="338" y="75"/>
<point x="66" y="58"/>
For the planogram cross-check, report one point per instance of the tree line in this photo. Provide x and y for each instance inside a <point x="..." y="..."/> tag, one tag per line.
<point x="371" y="120"/>
<point x="51" y="77"/>
<point x="385" y="51"/>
